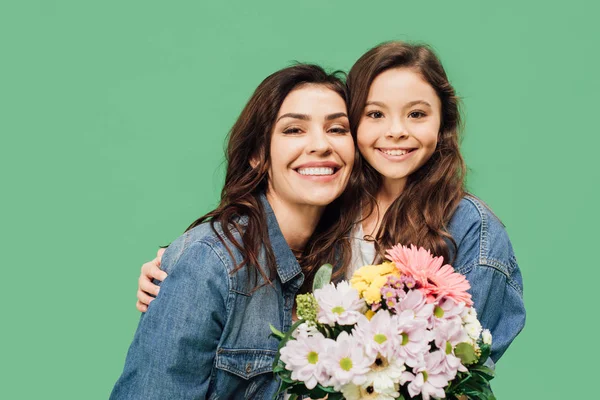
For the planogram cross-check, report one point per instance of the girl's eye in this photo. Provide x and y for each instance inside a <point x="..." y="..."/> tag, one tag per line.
<point x="416" y="114"/>
<point x="375" y="114"/>
<point x="292" y="131"/>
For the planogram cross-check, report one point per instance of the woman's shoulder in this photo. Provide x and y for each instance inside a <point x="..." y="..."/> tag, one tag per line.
<point x="203" y="243"/>
<point x="480" y="236"/>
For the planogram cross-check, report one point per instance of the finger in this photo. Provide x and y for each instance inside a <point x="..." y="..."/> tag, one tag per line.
<point x="147" y="270"/>
<point x="144" y="297"/>
<point x="141" y="307"/>
<point x="148" y="287"/>
<point x="159" y="254"/>
<point x="158" y="274"/>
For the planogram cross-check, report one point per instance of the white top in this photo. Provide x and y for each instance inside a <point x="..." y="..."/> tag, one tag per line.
<point x="363" y="251"/>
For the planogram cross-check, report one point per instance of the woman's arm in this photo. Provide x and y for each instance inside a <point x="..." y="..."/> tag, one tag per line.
<point x="173" y="349"/>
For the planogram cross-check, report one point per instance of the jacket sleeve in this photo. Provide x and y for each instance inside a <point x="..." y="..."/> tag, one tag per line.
<point x="485" y="255"/>
<point x="173" y="350"/>
<point x="499" y="303"/>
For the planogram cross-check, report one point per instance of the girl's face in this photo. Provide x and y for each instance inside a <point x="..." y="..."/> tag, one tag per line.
<point x="312" y="151"/>
<point x="398" y="130"/>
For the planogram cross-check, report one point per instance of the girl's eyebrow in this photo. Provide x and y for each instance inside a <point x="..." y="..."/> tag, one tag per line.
<point x="409" y="104"/>
<point x="415" y="102"/>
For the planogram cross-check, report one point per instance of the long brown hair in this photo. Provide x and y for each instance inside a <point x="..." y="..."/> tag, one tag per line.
<point x="422" y="211"/>
<point x="248" y="161"/>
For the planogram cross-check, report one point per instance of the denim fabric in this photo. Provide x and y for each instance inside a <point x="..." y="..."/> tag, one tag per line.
<point x="485" y="256"/>
<point x="206" y="335"/>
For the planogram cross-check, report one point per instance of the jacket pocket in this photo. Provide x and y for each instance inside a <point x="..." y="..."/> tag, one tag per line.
<point x="245" y="363"/>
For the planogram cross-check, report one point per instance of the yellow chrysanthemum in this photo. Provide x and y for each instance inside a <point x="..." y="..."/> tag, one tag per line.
<point x="369" y="279"/>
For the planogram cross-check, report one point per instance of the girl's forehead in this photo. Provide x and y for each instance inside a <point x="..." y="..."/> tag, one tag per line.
<point x="401" y="85"/>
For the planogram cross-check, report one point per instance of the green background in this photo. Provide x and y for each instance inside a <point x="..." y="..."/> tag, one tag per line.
<point x="112" y="120"/>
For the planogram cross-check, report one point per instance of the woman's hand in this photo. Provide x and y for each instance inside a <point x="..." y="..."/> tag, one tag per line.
<point x="147" y="290"/>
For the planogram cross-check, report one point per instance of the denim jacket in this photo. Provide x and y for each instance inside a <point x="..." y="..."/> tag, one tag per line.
<point x="485" y="256"/>
<point x="206" y="335"/>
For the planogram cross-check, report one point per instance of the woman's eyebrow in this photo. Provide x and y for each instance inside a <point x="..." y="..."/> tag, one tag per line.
<point x="303" y="117"/>
<point x="335" y="116"/>
<point x="374" y="103"/>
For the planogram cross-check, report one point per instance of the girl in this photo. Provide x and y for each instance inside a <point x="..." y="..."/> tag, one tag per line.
<point x="405" y="118"/>
<point x="290" y="155"/>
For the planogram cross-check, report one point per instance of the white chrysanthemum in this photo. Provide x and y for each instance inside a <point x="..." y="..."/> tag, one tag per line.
<point x="414" y="338"/>
<point x="345" y="362"/>
<point x="473" y="330"/>
<point x="415" y="301"/>
<point x="368" y="392"/>
<point x="305" y="330"/>
<point x="379" y="335"/>
<point x="486" y="336"/>
<point x="430" y="379"/>
<point x="385" y="373"/>
<point x="304" y="357"/>
<point x="340" y="304"/>
<point x="469" y="315"/>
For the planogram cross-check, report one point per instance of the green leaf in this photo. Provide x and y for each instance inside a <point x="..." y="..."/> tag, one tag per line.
<point x="276" y="332"/>
<point x="487" y="372"/>
<point x="323" y="276"/>
<point x="466" y="353"/>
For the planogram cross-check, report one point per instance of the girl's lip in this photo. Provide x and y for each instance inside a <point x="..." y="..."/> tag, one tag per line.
<point x="396" y="158"/>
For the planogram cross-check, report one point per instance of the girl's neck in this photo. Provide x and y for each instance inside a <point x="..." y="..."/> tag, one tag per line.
<point x="387" y="194"/>
<point x="297" y="222"/>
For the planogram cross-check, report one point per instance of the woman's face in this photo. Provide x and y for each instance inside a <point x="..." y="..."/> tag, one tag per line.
<point x="398" y="130"/>
<point x="312" y="151"/>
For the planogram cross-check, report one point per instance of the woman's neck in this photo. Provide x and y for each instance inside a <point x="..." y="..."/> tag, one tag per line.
<point x="297" y="222"/>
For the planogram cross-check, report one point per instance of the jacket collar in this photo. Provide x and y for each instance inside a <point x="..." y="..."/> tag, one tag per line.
<point x="287" y="265"/>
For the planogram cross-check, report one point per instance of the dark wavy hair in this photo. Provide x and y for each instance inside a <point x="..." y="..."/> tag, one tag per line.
<point x="432" y="193"/>
<point x="250" y="139"/>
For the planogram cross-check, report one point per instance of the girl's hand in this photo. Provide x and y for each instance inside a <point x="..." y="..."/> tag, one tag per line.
<point x="147" y="290"/>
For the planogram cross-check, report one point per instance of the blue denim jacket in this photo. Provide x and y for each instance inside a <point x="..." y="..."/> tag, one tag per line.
<point x="485" y="256"/>
<point x="206" y="335"/>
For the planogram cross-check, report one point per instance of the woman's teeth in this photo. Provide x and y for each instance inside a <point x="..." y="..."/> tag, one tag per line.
<point x="316" y="171"/>
<point x="394" y="152"/>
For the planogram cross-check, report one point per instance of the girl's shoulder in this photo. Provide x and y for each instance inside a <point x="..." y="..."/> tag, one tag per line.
<point x="480" y="237"/>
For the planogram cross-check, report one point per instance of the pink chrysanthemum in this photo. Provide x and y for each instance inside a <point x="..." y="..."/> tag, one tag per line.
<point x="435" y="279"/>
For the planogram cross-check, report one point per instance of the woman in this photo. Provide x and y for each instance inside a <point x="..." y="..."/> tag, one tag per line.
<point x="405" y="117"/>
<point x="290" y="155"/>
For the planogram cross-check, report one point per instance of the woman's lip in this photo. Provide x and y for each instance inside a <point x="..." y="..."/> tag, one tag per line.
<point x="396" y="158"/>
<point x="320" y="178"/>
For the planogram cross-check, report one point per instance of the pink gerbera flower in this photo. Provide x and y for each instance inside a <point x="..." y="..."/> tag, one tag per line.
<point x="435" y="279"/>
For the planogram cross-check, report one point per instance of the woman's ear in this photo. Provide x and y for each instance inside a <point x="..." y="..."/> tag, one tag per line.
<point x="255" y="159"/>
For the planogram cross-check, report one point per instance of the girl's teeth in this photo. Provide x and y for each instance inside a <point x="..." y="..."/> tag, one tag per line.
<point x="315" y="171"/>
<point x="395" y="152"/>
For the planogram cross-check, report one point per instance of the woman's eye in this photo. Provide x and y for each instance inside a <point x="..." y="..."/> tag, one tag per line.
<point x="292" y="131"/>
<point x="375" y="114"/>
<point x="340" y="130"/>
<point x="416" y="114"/>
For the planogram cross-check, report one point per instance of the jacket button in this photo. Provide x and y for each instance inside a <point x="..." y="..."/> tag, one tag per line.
<point x="248" y="368"/>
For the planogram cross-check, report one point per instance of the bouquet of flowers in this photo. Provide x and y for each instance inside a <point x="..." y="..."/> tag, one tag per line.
<point x="402" y="329"/>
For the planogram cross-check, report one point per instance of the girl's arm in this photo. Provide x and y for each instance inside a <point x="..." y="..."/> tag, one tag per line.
<point x="147" y="290"/>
